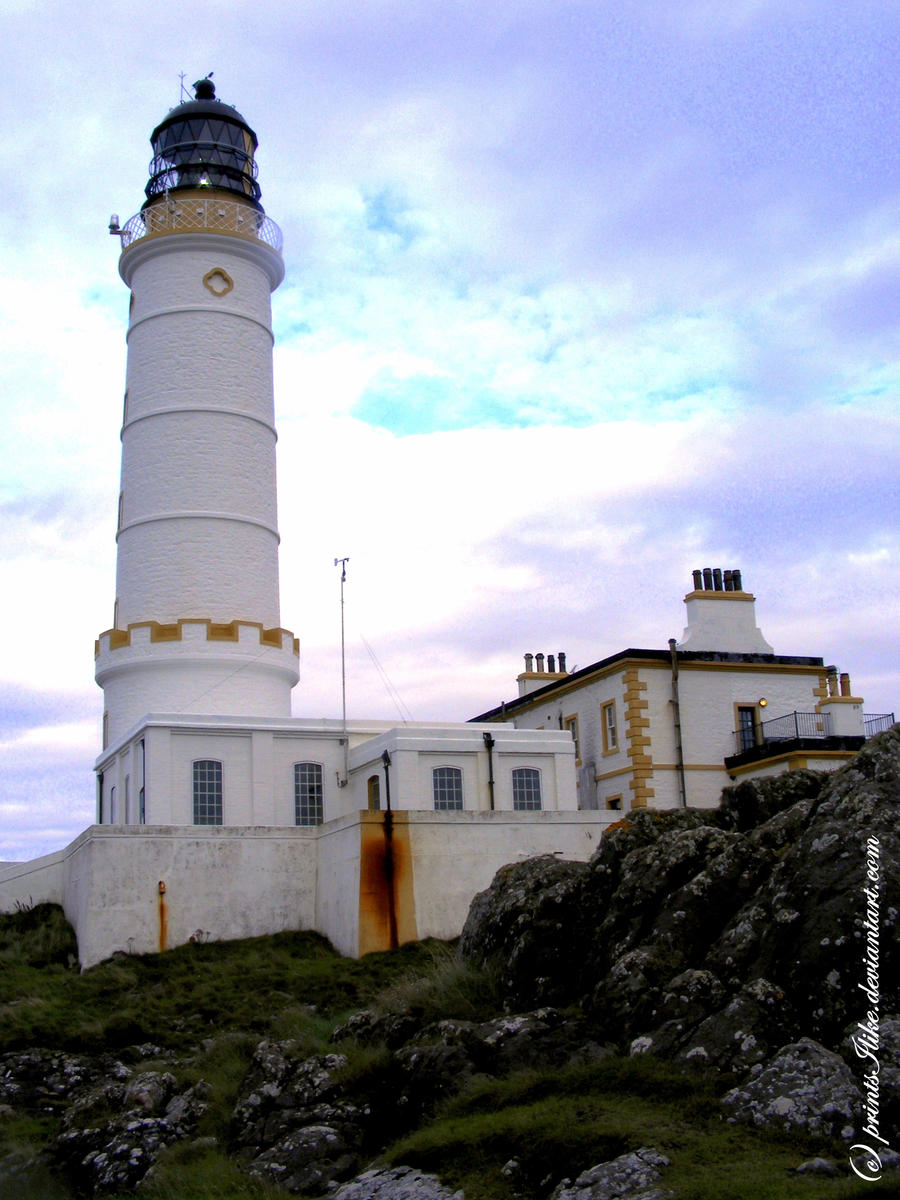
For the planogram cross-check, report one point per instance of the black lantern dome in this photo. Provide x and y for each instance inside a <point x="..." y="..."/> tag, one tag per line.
<point x="204" y="144"/>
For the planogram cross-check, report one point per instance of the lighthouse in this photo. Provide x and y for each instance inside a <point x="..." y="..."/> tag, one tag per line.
<point x="220" y="813"/>
<point x="196" y="625"/>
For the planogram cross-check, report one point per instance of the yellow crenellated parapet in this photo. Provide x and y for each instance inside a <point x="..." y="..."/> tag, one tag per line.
<point x="216" y="631"/>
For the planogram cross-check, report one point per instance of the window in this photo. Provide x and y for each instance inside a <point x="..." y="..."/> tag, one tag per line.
<point x="308" y="808"/>
<point x="746" y="715"/>
<point x="571" y="723"/>
<point x="374" y="790"/>
<point x="526" y="783"/>
<point x="614" y="803"/>
<point x="608" y="722"/>
<point x="207" y="792"/>
<point x="113" y="806"/>
<point x="446" y="783"/>
<point x="128" y="820"/>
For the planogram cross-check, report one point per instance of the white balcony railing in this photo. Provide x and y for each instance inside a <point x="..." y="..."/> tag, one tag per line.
<point x="213" y="214"/>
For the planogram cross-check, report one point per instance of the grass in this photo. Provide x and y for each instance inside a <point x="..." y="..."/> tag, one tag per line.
<point x="192" y="1172"/>
<point x="555" y="1124"/>
<point x="275" y="986"/>
<point x="440" y="986"/>
<point x="213" y="1003"/>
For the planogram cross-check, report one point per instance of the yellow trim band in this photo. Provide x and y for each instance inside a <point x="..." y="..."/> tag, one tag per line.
<point x="216" y="631"/>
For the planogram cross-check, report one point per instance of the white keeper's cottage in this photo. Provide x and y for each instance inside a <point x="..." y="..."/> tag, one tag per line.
<point x="219" y="814"/>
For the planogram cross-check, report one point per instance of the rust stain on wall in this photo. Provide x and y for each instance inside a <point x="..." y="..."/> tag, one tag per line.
<point x="163" y="917"/>
<point x="387" y="909"/>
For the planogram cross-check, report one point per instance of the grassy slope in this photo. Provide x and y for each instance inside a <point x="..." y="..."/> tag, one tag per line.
<point x="212" y="1003"/>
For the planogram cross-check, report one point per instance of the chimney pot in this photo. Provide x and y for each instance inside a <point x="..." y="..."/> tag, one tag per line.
<point x="707" y="579"/>
<point x="698" y="581"/>
<point x="562" y="662"/>
<point x="736" y="579"/>
<point x="529" y="662"/>
<point x="728" y="580"/>
<point x="845" y="684"/>
<point x="539" y="661"/>
<point x="717" y="579"/>
<point x="551" y="664"/>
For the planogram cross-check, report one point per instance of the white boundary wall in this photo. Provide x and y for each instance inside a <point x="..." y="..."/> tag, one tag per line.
<point x="230" y="882"/>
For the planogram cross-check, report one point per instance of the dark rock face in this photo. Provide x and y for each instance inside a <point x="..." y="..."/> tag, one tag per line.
<point x="528" y="923"/>
<point x="113" y="1153"/>
<point x="704" y="936"/>
<point x="294" y="1125"/>
<point x="114" y="1123"/>
<point x="48" y="1080"/>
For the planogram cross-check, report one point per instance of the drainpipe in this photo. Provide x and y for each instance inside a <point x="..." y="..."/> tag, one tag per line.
<point x="389" y="854"/>
<point x="676" y="716"/>
<point x="386" y="759"/>
<point x="489" y="746"/>
<point x="142" y="794"/>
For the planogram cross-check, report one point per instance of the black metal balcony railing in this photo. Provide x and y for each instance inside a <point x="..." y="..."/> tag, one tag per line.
<point x="783" y="729"/>
<point x="877" y="723"/>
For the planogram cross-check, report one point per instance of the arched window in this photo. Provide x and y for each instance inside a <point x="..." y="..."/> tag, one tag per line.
<point x="374" y="789"/>
<point x="446" y="783"/>
<point x="113" y="807"/>
<point x="207" y="792"/>
<point x="308" y="807"/>
<point x="526" y="783"/>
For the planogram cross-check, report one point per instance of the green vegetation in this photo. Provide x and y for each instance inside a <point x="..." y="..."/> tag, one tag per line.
<point x="278" y="986"/>
<point x="440" y="985"/>
<point x="212" y="1004"/>
<point x="561" y="1122"/>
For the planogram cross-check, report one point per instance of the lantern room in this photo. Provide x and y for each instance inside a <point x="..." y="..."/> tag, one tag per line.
<point x="203" y="144"/>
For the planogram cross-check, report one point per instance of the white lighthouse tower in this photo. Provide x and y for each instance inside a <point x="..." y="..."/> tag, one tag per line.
<point x="196" y="626"/>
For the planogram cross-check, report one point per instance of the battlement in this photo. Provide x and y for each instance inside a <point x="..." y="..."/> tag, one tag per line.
<point x="194" y="629"/>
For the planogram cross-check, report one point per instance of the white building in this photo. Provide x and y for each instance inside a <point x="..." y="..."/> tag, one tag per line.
<point x="217" y="811"/>
<point x="671" y="727"/>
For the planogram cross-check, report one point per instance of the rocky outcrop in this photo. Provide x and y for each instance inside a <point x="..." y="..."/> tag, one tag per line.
<point x="395" y="1183"/>
<point x="113" y="1133"/>
<point x="803" y="1088"/>
<point x="629" y="1177"/>
<point x="705" y="936"/>
<point x="294" y="1124"/>
<point x="528" y="925"/>
<point x="114" y="1122"/>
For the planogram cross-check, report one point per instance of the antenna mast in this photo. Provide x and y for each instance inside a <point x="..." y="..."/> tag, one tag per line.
<point x="343" y="782"/>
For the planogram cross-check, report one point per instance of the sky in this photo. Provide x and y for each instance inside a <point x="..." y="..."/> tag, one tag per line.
<point x="579" y="296"/>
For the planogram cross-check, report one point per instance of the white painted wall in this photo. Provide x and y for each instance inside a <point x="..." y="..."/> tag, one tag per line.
<point x="197" y="531"/>
<point x="229" y="882"/>
<point x="723" y="621"/>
